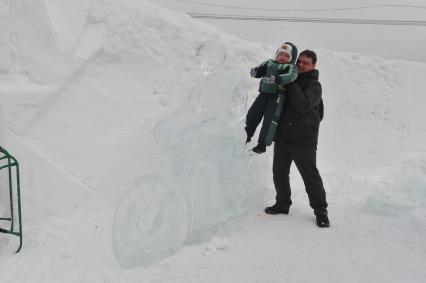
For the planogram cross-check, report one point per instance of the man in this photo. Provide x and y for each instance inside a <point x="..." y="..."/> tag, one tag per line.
<point x="297" y="138"/>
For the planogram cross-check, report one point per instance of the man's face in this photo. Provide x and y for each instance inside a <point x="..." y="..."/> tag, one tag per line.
<point x="305" y="64"/>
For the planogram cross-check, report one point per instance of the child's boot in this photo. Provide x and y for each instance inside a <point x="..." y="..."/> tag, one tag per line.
<point x="259" y="148"/>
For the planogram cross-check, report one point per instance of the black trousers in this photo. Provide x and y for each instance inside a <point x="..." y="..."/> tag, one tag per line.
<point x="262" y="107"/>
<point x="305" y="160"/>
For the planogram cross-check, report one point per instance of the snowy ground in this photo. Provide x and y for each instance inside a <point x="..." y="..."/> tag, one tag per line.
<point x="127" y="120"/>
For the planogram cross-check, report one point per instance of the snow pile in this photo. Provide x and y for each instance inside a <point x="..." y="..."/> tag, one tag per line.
<point x="128" y="122"/>
<point x="140" y="92"/>
<point x="373" y="130"/>
<point x="374" y="106"/>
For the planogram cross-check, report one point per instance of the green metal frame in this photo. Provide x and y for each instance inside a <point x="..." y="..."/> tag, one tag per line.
<point x="8" y="162"/>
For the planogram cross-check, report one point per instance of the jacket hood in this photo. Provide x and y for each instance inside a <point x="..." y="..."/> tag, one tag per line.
<point x="294" y="52"/>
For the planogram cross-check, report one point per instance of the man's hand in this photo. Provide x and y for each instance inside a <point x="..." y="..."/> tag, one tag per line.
<point x="253" y="72"/>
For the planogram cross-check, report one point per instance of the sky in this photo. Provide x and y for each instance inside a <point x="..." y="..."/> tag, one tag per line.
<point x="127" y="120"/>
<point x="375" y="40"/>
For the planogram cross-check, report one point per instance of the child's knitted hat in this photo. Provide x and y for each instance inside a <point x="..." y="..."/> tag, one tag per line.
<point x="285" y="48"/>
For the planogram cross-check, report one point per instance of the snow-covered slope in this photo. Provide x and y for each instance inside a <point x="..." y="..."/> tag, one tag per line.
<point x="127" y="120"/>
<point x="140" y="92"/>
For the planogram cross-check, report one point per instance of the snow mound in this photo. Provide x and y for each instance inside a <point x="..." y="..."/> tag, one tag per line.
<point x="130" y="109"/>
<point x="128" y="122"/>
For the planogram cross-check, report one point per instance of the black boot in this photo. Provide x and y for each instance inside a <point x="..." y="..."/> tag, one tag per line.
<point x="275" y="209"/>
<point x="259" y="148"/>
<point x="322" y="220"/>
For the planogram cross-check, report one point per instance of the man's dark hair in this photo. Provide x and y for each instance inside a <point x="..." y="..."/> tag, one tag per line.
<point x="310" y="54"/>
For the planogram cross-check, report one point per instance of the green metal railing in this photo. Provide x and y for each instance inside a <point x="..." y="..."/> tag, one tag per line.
<point x="8" y="162"/>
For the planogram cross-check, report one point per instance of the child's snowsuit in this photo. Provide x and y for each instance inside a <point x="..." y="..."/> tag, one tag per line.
<point x="266" y="102"/>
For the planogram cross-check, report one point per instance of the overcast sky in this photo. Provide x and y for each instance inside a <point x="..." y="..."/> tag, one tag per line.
<point x="389" y="41"/>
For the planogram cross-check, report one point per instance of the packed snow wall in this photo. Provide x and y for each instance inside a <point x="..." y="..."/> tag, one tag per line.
<point x="5" y="50"/>
<point x="373" y="131"/>
<point x="119" y="93"/>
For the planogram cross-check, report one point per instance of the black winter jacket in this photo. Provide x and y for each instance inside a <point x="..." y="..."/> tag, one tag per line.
<point x="300" y="119"/>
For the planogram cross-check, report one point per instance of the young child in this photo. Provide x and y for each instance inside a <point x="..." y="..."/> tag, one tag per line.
<point x="275" y="74"/>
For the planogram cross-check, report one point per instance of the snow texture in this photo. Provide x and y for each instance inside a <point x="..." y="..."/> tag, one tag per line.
<point x="128" y="120"/>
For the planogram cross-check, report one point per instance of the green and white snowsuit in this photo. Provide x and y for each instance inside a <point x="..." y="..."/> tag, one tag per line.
<point x="269" y="97"/>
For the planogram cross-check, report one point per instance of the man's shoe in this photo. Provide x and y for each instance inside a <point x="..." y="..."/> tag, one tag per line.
<point x="322" y="220"/>
<point x="275" y="209"/>
<point x="259" y="148"/>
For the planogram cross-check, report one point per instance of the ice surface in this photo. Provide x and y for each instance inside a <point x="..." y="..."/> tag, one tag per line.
<point x="150" y="223"/>
<point x="388" y="204"/>
<point x="410" y="179"/>
<point x="212" y="55"/>
<point x="403" y="191"/>
<point x="197" y="189"/>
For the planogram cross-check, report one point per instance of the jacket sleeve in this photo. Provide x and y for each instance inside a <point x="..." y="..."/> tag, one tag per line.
<point x="304" y="101"/>
<point x="261" y="69"/>
<point x="290" y="75"/>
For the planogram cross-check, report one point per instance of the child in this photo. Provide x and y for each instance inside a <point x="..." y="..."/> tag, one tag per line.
<point x="275" y="74"/>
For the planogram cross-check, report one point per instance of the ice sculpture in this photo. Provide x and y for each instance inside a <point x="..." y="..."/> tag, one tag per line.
<point x="204" y="181"/>
<point x="212" y="56"/>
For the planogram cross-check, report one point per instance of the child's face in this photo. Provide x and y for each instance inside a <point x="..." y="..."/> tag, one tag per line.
<point x="283" y="58"/>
